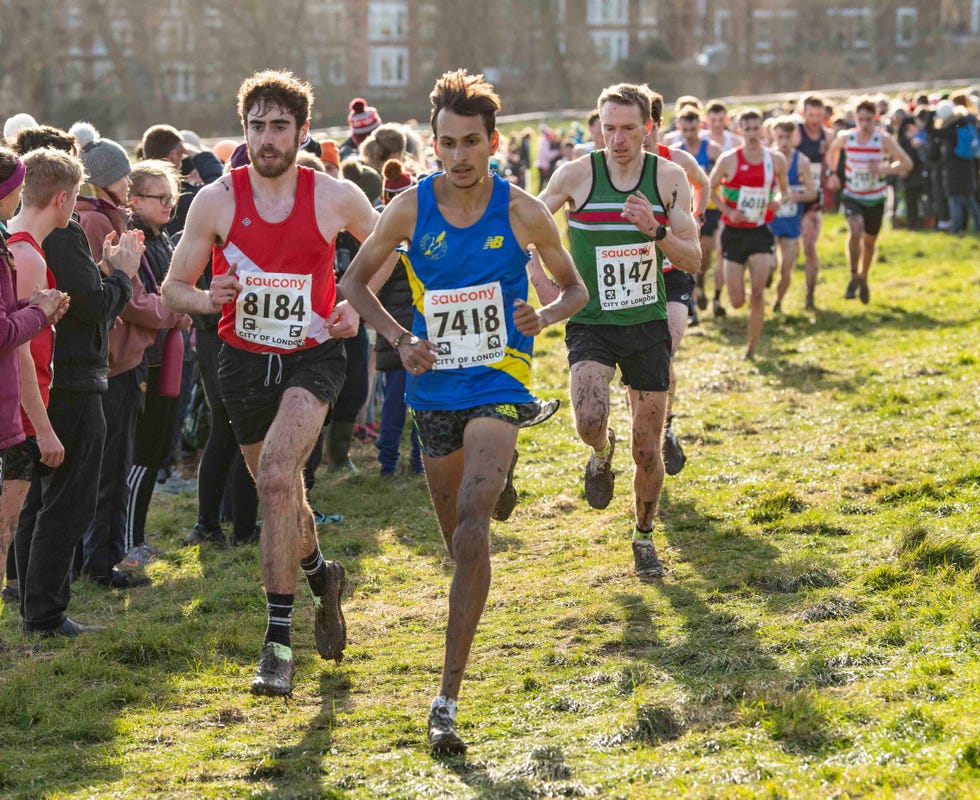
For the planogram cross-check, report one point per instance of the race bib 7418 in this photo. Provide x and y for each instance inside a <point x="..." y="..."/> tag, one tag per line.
<point x="467" y="325"/>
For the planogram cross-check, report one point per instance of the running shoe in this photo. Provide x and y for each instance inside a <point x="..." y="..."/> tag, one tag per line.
<point x="330" y="627"/>
<point x="864" y="293"/>
<point x="599" y="478"/>
<point x="508" y="495"/>
<point x="546" y="410"/>
<point x="137" y="557"/>
<point x="274" y="677"/>
<point x="442" y="730"/>
<point x="645" y="560"/>
<point x="717" y="308"/>
<point x="674" y="458"/>
<point x="777" y="307"/>
<point x="852" y="288"/>
<point x="810" y="304"/>
<point x="701" y="298"/>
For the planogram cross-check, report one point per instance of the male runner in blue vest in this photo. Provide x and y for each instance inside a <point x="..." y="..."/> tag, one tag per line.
<point x="468" y="354"/>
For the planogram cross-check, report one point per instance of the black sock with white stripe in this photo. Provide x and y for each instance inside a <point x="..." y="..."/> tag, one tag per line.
<point x="315" y="570"/>
<point x="280" y="617"/>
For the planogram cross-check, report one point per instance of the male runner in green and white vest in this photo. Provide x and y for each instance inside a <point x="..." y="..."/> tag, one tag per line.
<point x="613" y="198"/>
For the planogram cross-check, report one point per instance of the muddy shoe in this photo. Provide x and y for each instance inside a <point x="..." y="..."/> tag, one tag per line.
<point x="546" y="410"/>
<point x="599" y="478"/>
<point x="645" y="559"/>
<point x="508" y="495"/>
<point x="274" y="677"/>
<point x="442" y="730"/>
<point x="674" y="458"/>
<point x="330" y="627"/>
<point x="852" y="288"/>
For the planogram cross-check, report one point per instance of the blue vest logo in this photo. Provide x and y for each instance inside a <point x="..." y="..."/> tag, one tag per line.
<point x="433" y="246"/>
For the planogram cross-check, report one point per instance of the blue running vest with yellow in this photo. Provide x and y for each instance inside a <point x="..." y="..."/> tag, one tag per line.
<point x="464" y="283"/>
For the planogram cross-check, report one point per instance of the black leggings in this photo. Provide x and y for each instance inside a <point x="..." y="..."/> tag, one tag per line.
<point x="222" y="462"/>
<point x="355" y="389"/>
<point x="154" y="435"/>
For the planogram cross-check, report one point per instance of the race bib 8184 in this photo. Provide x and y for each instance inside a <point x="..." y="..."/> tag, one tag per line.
<point x="274" y="309"/>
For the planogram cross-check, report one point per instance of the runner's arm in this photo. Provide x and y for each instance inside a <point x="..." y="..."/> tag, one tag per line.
<point x="535" y="225"/>
<point x="682" y="244"/>
<point x="191" y="257"/>
<point x="696" y="176"/>
<point x="901" y="163"/>
<point x="556" y="194"/>
<point x="833" y="162"/>
<point x="782" y="180"/>
<point x="376" y="254"/>
<point x="809" y="192"/>
<point x="721" y="173"/>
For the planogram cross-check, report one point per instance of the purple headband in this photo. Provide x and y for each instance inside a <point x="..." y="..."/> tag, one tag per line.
<point x="15" y="180"/>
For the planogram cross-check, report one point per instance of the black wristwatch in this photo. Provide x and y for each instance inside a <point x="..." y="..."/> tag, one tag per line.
<point x="412" y="339"/>
<point x="660" y="234"/>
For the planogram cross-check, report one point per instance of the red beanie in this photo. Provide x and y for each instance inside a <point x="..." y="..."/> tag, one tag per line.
<point x="362" y="118"/>
<point x="397" y="179"/>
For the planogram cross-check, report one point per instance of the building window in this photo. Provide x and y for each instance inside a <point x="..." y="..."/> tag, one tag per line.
<point x="906" y="26"/>
<point x="337" y="69"/>
<point x="608" y="12"/>
<point x="387" y="21"/>
<point x="180" y="82"/>
<point x="648" y="12"/>
<point x="850" y="27"/>
<point x="773" y="30"/>
<point x="611" y="47"/>
<point x="723" y="26"/>
<point x="388" y="66"/>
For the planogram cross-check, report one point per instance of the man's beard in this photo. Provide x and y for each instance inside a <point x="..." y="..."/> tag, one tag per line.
<point x="286" y="159"/>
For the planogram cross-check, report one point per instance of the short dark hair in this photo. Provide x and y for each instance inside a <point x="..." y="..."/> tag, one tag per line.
<point x="44" y="136"/>
<point x="749" y="113"/>
<point x="466" y="95"/>
<point x="160" y="140"/>
<point x="866" y="104"/>
<point x="631" y="94"/>
<point x="278" y="88"/>
<point x="593" y="117"/>
<point x="715" y="106"/>
<point x="689" y="114"/>
<point x="8" y="163"/>
<point x="813" y="100"/>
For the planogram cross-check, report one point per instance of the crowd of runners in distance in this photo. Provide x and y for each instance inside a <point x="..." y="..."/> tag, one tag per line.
<point x="273" y="299"/>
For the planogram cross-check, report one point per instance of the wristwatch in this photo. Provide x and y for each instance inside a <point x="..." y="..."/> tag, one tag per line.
<point x="661" y="233"/>
<point x="411" y="340"/>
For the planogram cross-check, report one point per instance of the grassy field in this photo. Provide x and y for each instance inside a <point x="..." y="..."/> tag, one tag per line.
<point x="816" y="635"/>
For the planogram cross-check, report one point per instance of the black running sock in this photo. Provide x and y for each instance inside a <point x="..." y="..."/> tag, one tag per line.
<point x="280" y="616"/>
<point x="315" y="570"/>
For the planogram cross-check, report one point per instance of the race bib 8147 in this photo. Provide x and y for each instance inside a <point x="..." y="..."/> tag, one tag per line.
<point x="626" y="275"/>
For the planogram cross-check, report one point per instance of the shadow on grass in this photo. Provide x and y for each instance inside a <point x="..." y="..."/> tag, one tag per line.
<point x="297" y="770"/>
<point x="719" y="657"/>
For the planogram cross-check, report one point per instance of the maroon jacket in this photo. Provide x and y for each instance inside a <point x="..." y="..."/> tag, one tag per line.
<point x="19" y="323"/>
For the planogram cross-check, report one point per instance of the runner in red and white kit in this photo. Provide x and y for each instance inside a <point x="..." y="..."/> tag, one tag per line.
<point x="871" y="156"/>
<point x="270" y="227"/>
<point x="815" y="138"/>
<point x="743" y="183"/>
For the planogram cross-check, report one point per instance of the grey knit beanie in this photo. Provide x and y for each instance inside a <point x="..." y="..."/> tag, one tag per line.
<point x="105" y="160"/>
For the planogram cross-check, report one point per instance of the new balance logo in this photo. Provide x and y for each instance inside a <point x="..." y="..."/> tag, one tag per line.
<point x="493" y="243"/>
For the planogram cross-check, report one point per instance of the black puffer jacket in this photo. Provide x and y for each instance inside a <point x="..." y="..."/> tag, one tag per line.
<point x="159" y="253"/>
<point x="81" y="348"/>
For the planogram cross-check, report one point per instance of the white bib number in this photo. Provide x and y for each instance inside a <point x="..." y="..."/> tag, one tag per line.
<point x="274" y="309"/>
<point x="467" y="325"/>
<point x="753" y="202"/>
<point x="816" y="172"/>
<point x="789" y="208"/>
<point x="626" y="275"/>
<point x="861" y="179"/>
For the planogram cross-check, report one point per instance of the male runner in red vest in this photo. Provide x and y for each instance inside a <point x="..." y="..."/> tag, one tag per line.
<point x="271" y="228"/>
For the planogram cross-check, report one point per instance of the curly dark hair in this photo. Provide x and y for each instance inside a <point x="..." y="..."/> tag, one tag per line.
<point x="44" y="136"/>
<point x="278" y="88"/>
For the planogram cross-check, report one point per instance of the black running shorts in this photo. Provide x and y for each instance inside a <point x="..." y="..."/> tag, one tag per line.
<point x="737" y="244"/>
<point x="642" y="352"/>
<point x="252" y="384"/>
<point x="712" y="218"/>
<point x="441" y="432"/>
<point x="872" y="215"/>
<point x="678" y="286"/>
